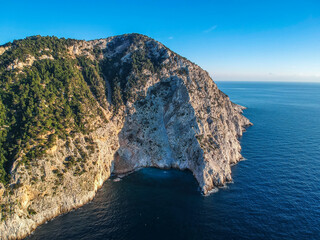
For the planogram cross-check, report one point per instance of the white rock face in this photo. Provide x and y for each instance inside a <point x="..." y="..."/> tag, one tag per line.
<point x="3" y="49"/>
<point x="180" y="120"/>
<point x="183" y="122"/>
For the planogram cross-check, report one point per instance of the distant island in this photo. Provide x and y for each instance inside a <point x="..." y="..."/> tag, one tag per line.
<point x="72" y="112"/>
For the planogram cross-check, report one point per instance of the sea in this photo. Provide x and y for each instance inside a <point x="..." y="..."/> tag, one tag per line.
<point x="275" y="192"/>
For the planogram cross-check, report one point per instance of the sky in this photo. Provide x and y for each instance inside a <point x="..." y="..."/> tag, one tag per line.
<point x="234" y="40"/>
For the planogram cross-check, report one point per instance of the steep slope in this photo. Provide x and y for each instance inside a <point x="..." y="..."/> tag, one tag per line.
<point x="72" y="112"/>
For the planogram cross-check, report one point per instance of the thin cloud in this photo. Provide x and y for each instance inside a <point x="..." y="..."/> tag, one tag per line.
<point x="170" y="38"/>
<point x="210" y="29"/>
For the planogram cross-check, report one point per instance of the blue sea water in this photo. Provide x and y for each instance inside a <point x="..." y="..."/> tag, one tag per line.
<point x="275" y="194"/>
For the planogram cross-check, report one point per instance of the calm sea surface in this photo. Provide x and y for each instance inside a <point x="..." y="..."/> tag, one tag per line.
<point x="275" y="194"/>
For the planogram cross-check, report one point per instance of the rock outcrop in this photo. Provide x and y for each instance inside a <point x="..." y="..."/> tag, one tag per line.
<point x="165" y="112"/>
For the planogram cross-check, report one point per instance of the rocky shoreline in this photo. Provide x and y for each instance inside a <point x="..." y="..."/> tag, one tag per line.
<point x="178" y="118"/>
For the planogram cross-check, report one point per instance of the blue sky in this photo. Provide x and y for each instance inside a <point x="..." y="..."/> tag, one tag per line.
<point x="231" y="39"/>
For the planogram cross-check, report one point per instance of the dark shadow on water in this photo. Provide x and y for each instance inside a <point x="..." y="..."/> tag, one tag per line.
<point x="275" y="194"/>
<point x="137" y="207"/>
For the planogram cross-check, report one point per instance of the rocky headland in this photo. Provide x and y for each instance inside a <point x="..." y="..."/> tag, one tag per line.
<point x="133" y="103"/>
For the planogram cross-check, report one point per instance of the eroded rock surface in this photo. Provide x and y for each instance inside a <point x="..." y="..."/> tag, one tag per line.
<point x="165" y="112"/>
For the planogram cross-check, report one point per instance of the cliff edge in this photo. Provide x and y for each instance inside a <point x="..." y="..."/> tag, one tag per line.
<point x="98" y="107"/>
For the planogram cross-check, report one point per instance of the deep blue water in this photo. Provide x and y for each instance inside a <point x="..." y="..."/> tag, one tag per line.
<point x="275" y="194"/>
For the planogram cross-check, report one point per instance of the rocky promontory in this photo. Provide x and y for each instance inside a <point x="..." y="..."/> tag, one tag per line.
<point x="72" y="112"/>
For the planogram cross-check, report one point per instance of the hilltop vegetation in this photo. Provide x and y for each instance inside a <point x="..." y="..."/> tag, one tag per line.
<point x="127" y="73"/>
<point x="45" y="101"/>
<point x="54" y="93"/>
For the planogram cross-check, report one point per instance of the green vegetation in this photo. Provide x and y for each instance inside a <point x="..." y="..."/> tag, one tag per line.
<point x="58" y="97"/>
<point x="91" y="73"/>
<point x="35" y="46"/>
<point x="46" y="101"/>
<point x="126" y="77"/>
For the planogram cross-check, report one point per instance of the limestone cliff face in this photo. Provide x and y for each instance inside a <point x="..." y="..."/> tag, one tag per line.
<point x="181" y="121"/>
<point x="169" y="114"/>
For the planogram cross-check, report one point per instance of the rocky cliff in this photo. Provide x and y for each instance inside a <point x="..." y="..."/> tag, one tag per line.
<point x="142" y="105"/>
